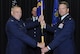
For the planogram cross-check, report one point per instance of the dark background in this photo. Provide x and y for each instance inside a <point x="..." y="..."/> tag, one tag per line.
<point x="27" y="5"/>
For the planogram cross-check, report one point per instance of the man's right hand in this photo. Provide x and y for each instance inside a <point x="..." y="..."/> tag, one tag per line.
<point x="41" y="45"/>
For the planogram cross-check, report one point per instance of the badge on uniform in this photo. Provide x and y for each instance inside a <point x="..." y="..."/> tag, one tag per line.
<point x="61" y="25"/>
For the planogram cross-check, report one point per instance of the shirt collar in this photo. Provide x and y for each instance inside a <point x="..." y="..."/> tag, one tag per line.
<point x="35" y="18"/>
<point x="64" y="16"/>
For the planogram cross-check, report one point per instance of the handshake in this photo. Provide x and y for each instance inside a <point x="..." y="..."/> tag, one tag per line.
<point x="43" y="48"/>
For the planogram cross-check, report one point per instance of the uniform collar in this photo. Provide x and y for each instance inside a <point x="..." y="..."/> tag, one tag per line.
<point x="13" y="18"/>
<point x="64" y="16"/>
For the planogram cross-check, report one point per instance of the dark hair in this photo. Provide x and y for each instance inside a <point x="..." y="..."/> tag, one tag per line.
<point x="65" y="3"/>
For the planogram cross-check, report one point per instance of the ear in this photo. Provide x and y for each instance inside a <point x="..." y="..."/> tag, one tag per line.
<point x="68" y="10"/>
<point x="11" y="12"/>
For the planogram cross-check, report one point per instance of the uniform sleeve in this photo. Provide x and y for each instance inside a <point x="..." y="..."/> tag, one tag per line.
<point x="30" y="25"/>
<point x="15" y="30"/>
<point x="63" y="35"/>
<point x="50" y="29"/>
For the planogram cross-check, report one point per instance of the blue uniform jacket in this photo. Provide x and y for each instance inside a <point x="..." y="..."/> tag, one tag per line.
<point x="17" y="37"/>
<point x="63" y="42"/>
<point x="35" y="32"/>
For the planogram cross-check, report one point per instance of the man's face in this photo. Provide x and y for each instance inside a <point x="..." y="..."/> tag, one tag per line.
<point x="63" y="9"/>
<point x="16" y="13"/>
<point x="34" y="11"/>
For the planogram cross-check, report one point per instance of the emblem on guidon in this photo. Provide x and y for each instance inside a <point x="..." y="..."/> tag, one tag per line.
<point x="56" y="14"/>
<point x="61" y="25"/>
<point x="39" y="4"/>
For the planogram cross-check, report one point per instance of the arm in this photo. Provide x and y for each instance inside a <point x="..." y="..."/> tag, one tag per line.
<point x="49" y="28"/>
<point x="44" y="25"/>
<point x="14" y="29"/>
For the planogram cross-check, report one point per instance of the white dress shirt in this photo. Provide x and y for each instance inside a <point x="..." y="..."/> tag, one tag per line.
<point x="34" y="18"/>
<point x="64" y="16"/>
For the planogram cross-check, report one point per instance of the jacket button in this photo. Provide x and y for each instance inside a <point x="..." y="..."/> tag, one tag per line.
<point x="34" y="32"/>
<point x="34" y="35"/>
<point x="34" y="28"/>
<point x="54" y="30"/>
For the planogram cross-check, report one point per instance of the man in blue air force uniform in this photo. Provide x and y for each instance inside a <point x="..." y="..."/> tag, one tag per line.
<point x="17" y="34"/>
<point x="35" y="32"/>
<point x="63" y="42"/>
